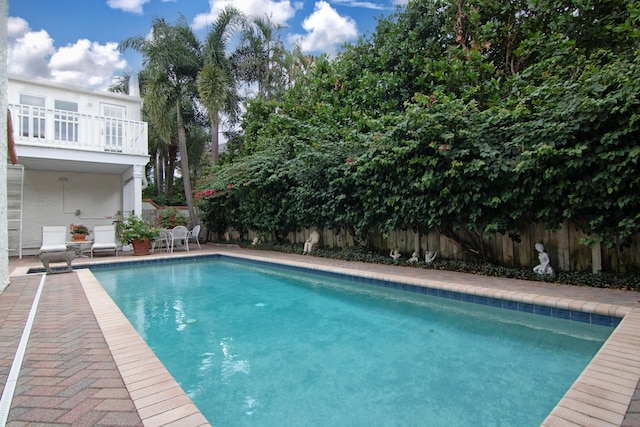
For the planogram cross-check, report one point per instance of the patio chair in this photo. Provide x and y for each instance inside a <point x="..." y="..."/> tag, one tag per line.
<point x="54" y="238"/>
<point x="180" y="236"/>
<point x="162" y="241"/>
<point x="193" y="235"/>
<point x="104" y="239"/>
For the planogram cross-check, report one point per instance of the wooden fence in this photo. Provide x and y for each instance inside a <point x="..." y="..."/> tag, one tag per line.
<point x="563" y="246"/>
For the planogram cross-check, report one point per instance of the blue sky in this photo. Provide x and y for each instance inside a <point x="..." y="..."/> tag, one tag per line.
<point x="75" y="41"/>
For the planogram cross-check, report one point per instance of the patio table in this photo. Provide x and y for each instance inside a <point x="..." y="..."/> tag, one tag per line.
<point x="80" y="246"/>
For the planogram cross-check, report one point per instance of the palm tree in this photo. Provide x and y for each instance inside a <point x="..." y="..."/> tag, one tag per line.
<point x="216" y="85"/>
<point x="295" y="65"/>
<point x="259" y="58"/>
<point x="172" y="57"/>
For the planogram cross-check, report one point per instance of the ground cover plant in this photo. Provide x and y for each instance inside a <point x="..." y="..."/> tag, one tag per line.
<point x="628" y="281"/>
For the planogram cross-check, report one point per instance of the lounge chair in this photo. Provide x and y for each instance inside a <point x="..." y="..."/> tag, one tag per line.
<point x="180" y="236"/>
<point x="193" y="235"/>
<point x="104" y="239"/>
<point x="54" y="238"/>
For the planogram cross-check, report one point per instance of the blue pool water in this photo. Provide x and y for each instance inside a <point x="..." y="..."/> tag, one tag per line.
<point x="259" y="346"/>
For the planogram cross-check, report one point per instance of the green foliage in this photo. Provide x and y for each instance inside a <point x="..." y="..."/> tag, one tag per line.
<point x="471" y="120"/>
<point x="79" y="229"/>
<point x="135" y="228"/>
<point x="170" y="218"/>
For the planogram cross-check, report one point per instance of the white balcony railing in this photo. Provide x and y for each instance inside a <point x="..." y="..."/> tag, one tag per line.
<point x="43" y="127"/>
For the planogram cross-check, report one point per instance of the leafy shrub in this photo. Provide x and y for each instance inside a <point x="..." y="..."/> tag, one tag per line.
<point x="170" y="218"/>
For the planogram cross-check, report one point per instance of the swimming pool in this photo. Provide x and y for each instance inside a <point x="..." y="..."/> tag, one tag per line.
<point x="264" y="347"/>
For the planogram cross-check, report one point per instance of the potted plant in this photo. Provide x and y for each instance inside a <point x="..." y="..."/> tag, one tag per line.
<point x="79" y="232"/>
<point x="138" y="233"/>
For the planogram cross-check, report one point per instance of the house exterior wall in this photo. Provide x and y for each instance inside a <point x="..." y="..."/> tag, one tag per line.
<point x="4" y="232"/>
<point x="65" y="198"/>
<point x="84" y="154"/>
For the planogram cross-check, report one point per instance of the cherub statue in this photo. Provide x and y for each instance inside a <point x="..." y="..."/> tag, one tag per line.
<point x="256" y="241"/>
<point x="429" y="256"/>
<point x="544" y="268"/>
<point x="414" y="257"/>
<point x="395" y="254"/>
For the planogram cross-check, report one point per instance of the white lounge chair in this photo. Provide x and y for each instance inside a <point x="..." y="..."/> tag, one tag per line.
<point x="193" y="235"/>
<point x="104" y="239"/>
<point x="180" y="236"/>
<point x="54" y="238"/>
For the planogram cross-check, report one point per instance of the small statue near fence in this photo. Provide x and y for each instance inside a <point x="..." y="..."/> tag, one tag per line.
<point x="429" y="257"/>
<point x="414" y="258"/>
<point x="395" y="254"/>
<point x="311" y="242"/>
<point x="544" y="268"/>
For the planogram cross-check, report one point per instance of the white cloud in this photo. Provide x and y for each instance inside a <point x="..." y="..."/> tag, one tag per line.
<point x="278" y="11"/>
<point x="133" y="6"/>
<point x="28" y="52"/>
<point x="326" y="30"/>
<point x="87" y="64"/>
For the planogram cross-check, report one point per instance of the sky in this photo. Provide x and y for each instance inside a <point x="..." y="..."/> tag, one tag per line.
<point x="76" y="41"/>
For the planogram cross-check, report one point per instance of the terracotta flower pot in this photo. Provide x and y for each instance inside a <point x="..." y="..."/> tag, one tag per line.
<point x="79" y="237"/>
<point x="141" y="247"/>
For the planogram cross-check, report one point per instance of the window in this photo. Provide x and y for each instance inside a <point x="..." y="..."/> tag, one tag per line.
<point x="31" y="114"/>
<point x="66" y="121"/>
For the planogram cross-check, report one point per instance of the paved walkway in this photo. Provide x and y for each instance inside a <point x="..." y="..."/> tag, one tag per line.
<point x="84" y="365"/>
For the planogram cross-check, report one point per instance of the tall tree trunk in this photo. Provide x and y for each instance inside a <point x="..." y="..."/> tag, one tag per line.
<point x="158" y="173"/>
<point x="170" y="167"/>
<point x="184" y="165"/>
<point x="215" y="124"/>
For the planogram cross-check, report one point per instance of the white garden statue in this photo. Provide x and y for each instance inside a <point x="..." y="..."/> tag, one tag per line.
<point x="544" y="268"/>
<point x="395" y="254"/>
<point x="311" y="242"/>
<point x="414" y="258"/>
<point x="429" y="256"/>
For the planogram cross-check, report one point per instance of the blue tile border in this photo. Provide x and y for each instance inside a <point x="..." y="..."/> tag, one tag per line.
<point x="559" y="313"/>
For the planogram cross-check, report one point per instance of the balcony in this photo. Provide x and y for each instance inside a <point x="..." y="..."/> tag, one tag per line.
<point x="60" y="129"/>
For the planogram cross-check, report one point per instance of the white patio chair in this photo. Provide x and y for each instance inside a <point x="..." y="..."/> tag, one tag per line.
<point x="54" y="238"/>
<point x="104" y="239"/>
<point x="180" y="236"/>
<point x="162" y="241"/>
<point x="193" y="235"/>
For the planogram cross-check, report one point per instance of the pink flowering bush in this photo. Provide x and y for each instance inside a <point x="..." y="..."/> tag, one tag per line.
<point x="170" y="218"/>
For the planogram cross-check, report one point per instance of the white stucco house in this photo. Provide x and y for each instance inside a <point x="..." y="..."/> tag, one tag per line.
<point x="81" y="157"/>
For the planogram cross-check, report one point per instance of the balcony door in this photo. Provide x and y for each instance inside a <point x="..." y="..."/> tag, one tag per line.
<point x="31" y="117"/>
<point x="66" y="121"/>
<point x="113" y="116"/>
